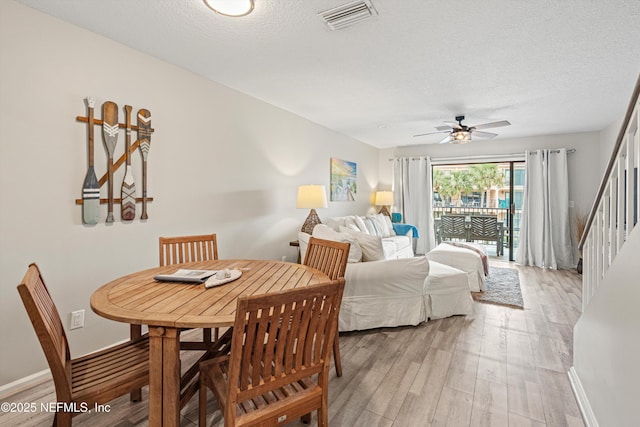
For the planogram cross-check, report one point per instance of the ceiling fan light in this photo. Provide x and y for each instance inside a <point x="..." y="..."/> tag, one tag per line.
<point x="232" y="8"/>
<point x="461" y="135"/>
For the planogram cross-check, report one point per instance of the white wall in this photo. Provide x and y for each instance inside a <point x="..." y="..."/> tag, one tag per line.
<point x="605" y="370"/>
<point x="608" y="139"/>
<point x="606" y="344"/>
<point x="585" y="170"/>
<point x="219" y="162"/>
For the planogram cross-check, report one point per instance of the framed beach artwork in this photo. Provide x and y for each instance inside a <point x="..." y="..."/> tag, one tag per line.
<point x="343" y="180"/>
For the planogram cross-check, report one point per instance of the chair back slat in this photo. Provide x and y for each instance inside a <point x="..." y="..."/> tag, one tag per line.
<point x="453" y="226"/>
<point x="181" y="249"/>
<point x="484" y="227"/>
<point x="317" y="325"/>
<point x="328" y="256"/>
<point x="46" y="321"/>
<point x="281" y="338"/>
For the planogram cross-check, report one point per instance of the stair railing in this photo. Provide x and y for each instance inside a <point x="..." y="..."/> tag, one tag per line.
<point x="614" y="213"/>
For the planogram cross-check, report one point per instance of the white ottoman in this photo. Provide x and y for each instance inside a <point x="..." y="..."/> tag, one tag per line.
<point x="463" y="259"/>
<point x="447" y="292"/>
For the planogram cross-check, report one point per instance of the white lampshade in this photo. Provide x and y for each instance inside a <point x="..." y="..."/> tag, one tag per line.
<point x="230" y="7"/>
<point x="311" y="197"/>
<point x="384" y="198"/>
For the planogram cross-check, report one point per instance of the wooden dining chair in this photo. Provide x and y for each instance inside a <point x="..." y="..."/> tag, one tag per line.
<point x="278" y="367"/>
<point x="96" y="378"/>
<point x="178" y="250"/>
<point x="330" y="257"/>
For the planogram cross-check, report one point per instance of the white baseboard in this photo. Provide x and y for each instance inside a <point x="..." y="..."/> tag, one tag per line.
<point x="21" y="384"/>
<point x="39" y="377"/>
<point x="583" y="402"/>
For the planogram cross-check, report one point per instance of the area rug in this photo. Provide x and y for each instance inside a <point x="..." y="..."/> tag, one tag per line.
<point x="502" y="287"/>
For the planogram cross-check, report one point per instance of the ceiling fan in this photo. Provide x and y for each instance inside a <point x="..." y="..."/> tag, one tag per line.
<point x="461" y="134"/>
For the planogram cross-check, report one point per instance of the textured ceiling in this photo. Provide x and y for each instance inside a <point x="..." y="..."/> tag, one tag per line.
<point x="547" y="66"/>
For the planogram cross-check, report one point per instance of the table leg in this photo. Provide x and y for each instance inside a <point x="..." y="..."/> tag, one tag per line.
<point x="164" y="376"/>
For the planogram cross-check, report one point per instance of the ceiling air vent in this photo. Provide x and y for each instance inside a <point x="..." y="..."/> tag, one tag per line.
<point x="348" y="14"/>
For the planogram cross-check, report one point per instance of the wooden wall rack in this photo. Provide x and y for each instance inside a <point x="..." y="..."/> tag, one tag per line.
<point x="110" y="126"/>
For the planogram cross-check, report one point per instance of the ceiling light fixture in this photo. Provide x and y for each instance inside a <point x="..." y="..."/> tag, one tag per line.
<point x="233" y="8"/>
<point x="461" y="137"/>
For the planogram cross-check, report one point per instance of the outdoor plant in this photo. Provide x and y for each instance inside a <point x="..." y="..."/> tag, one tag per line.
<point x="453" y="184"/>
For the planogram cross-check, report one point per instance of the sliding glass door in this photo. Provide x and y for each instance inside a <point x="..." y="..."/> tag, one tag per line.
<point x="486" y="198"/>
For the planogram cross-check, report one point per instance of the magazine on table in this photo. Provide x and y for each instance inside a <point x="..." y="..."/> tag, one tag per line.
<point x="187" y="276"/>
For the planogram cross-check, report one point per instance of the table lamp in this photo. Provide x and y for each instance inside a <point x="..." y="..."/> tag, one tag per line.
<point x="311" y="197"/>
<point x="384" y="199"/>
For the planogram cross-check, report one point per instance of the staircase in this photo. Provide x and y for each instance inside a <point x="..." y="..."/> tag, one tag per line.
<point x="605" y="375"/>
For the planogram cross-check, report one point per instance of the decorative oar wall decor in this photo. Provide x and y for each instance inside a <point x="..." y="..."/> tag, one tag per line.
<point x="128" y="192"/>
<point x="110" y="130"/>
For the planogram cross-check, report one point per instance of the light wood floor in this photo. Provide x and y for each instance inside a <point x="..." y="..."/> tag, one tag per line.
<point x="501" y="367"/>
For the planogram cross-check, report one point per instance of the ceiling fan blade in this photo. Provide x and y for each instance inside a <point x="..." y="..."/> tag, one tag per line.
<point x="446" y="140"/>
<point x="447" y="128"/>
<point x="454" y="125"/>
<point x="431" y="133"/>
<point x="484" y="134"/>
<point x="493" y="125"/>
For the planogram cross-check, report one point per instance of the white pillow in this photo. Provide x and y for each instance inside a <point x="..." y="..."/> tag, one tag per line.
<point x="387" y="221"/>
<point x="380" y="225"/>
<point x="360" y="224"/>
<point x="325" y="232"/>
<point x="303" y="241"/>
<point x="335" y="222"/>
<point x="350" y="222"/>
<point x="371" y="245"/>
<point x="352" y="226"/>
<point x="370" y="228"/>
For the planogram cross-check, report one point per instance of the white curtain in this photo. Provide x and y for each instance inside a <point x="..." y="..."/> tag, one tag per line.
<point x="413" y="193"/>
<point x="545" y="233"/>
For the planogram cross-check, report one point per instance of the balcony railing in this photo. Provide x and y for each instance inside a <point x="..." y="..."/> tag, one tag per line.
<point x="501" y="213"/>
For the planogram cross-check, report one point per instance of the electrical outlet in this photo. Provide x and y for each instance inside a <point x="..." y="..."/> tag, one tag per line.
<point x="284" y="258"/>
<point x="77" y="319"/>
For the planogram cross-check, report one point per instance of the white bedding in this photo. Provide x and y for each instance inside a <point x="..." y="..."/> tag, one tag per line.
<point x="384" y="294"/>
<point x="463" y="259"/>
<point x="447" y="292"/>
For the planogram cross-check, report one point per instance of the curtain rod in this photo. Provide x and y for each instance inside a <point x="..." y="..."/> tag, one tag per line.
<point x="569" y="151"/>
<point x="487" y="157"/>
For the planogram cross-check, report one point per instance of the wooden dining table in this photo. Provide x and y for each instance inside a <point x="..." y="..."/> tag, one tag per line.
<point x="168" y="307"/>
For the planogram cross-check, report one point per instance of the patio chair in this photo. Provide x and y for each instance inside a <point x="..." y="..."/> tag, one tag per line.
<point x="92" y="379"/>
<point x="453" y="227"/>
<point x="278" y="368"/>
<point x="330" y="257"/>
<point x="486" y="228"/>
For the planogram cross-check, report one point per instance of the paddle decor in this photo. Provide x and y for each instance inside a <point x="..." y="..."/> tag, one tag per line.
<point x="144" y="135"/>
<point x="90" y="188"/>
<point x="128" y="206"/>
<point x="110" y="129"/>
<point x="91" y="200"/>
